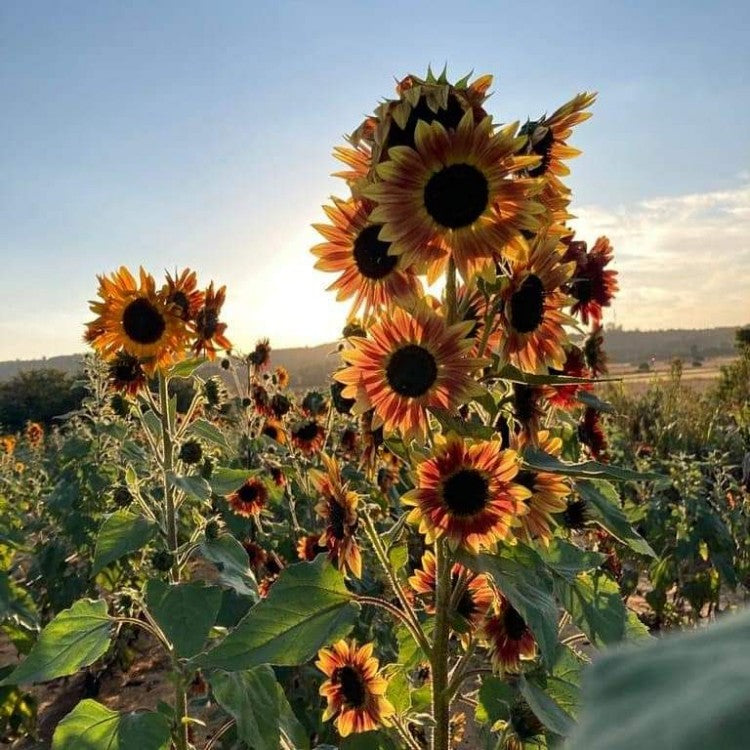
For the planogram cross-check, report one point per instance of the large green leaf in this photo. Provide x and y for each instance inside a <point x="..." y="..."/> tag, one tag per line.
<point x="231" y="562"/>
<point x="224" y="481"/>
<point x="567" y="560"/>
<point x="496" y="697"/>
<point x="257" y="702"/>
<point x="91" y="726"/>
<point x="186" y="612"/>
<point x="546" y="709"/>
<point x="121" y="533"/>
<point x="192" y="485"/>
<point x="603" y="503"/>
<point x="307" y="608"/>
<point x="687" y="692"/>
<point x="538" y="460"/>
<point x="594" y="603"/>
<point x="522" y="577"/>
<point x="209" y="432"/>
<point x="76" y="638"/>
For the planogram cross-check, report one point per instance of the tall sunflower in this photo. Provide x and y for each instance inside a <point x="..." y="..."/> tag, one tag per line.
<point x="409" y="363"/>
<point x="133" y="317"/>
<point x="531" y="315"/>
<point x="452" y="194"/>
<point x="369" y="273"/>
<point x="337" y="506"/>
<point x="354" y="690"/>
<point x="467" y="493"/>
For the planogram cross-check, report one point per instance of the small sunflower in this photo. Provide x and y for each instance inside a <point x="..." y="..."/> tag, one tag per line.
<point x="209" y="330"/>
<point x="182" y="291"/>
<point x="531" y="314"/>
<point x="125" y="373"/>
<point x="548" y="494"/>
<point x="407" y="365"/>
<point x="34" y="433"/>
<point x="354" y="690"/>
<point x="453" y="194"/>
<point x="370" y="274"/>
<point x="592" y="287"/>
<point x="593" y="351"/>
<point x="507" y="637"/>
<point x="476" y="596"/>
<point x="564" y="396"/>
<point x="280" y="405"/>
<point x="591" y="433"/>
<point x="308" y="436"/>
<point x="337" y="506"/>
<point x="467" y="493"/>
<point x="134" y="318"/>
<point x="281" y="377"/>
<point x="260" y="357"/>
<point x="250" y="498"/>
<point x="8" y="443"/>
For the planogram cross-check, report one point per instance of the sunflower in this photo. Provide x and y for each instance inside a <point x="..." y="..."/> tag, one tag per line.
<point x="209" y="331"/>
<point x="547" y="137"/>
<point x="593" y="351"/>
<point x="134" y="318"/>
<point x="8" y="443"/>
<point x="354" y="690"/>
<point x="453" y="195"/>
<point x="337" y="506"/>
<point x="548" y="494"/>
<point x="274" y="429"/>
<point x="125" y="373"/>
<point x="34" y="434"/>
<point x="309" y="547"/>
<point x="182" y="291"/>
<point x="466" y="493"/>
<point x="369" y="273"/>
<point x="408" y="364"/>
<point x="250" y="498"/>
<point x="260" y="357"/>
<point x="476" y="595"/>
<point x="531" y="313"/>
<point x="591" y="287"/>
<point x="591" y="433"/>
<point x="280" y="405"/>
<point x="308" y="436"/>
<point x="564" y="396"/>
<point x="281" y="377"/>
<point x="507" y="637"/>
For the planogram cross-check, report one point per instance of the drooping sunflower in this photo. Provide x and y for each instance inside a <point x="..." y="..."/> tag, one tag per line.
<point x="370" y="274"/>
<point x="354" y="690"/>
<point x="408" y="364"/>
<point x="452" y="194"/>
<point x="474" y="599"/>
<point x="548" y="494"/>
<point x="531" y="315"/>
<point x="274" y="429"/>
<point x="125" y="373"/>
<point x="592" y="287"/>
<point x="467" y="493"/>
<point x="209" y="330"/>
<point x="249" y="498"/>
<point x="133" y="317"/>
<point x="182" y="291"/>
<point x="308" y="436"/>
<point x="337" y="506"/>
<point x="507" y="637"/>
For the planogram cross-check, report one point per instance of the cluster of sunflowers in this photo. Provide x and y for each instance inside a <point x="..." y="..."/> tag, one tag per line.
<point x="140" y="330"/>
<point x="442" y="196"/>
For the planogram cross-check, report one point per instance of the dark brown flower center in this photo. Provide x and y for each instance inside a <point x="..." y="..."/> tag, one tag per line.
<point x="542" y="147"/>
<point x="271" y="431"/>
<point x="411" y="371"/>
<point x="371" y="254"/>
<point x="527" y="305"/>
<point x="466" y="606"/>
<point x="143" y="322"/>
<point x="448" y="118"/>
<point x="456" y="196"/>
<point x="206" y="322"/>
<point x="526" y="479"/>
<point x="515" y="625"/>
<point x="337" y="519"/>
<point x="307" y="431"/>
<point x="466" y="492"/>
<point x="180" y="299"/>
<point x="125" y="369"/>
<point x="352" y="686"/>
<point x="249" y="492"/>
<point x="582" y="289"/>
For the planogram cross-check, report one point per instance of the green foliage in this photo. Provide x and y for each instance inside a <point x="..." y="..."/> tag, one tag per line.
<point x="120" y="534"/>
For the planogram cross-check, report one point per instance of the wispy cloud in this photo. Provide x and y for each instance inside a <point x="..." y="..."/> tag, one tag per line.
<point x="684" y="261"/>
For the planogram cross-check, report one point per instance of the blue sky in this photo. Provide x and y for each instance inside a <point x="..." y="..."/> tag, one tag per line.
<point x="199" y="133"/>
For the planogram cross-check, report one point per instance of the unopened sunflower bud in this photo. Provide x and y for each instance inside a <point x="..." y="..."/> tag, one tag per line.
<point x="191" y="452"/>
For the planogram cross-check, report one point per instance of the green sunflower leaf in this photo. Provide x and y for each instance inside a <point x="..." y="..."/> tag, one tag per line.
<point x="540" y="461"/>
<point x="120" y="534"/>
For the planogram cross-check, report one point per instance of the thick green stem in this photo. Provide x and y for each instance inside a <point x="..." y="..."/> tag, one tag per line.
<point x="439" y="661"/>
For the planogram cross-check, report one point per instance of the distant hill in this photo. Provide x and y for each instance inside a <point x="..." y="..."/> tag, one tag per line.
<point x="310" y="366"/>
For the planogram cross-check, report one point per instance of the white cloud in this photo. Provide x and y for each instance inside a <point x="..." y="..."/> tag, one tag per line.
<point x="684" y="261"/>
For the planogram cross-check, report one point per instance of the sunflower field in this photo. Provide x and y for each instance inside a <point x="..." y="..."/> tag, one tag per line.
<point x="425" y="552"/>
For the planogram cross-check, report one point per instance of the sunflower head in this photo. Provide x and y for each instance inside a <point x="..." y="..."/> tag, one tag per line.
<point x="354" y="689"/>
<point x="308" y="436"/>
<point x="209" y="330"/>
<point x="182" y="292"/>
<point x="507" y="637"/>
<point x="250" y="498"/>
<point x="260" y="357"/>
<point x="309" y="547"/>
<point x="125" y="373"/>
<point x="34" y="433"/>
<point x="281" y="377"/>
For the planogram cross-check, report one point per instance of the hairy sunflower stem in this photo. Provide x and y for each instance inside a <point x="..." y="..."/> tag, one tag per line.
<point x="439" y="659"/>
<point x="459" y="671"/>
<point x="405" y="735"/>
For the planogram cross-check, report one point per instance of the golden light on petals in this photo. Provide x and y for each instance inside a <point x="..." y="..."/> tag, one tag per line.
<point x="354" y="690"/>
<point x="467" y="493"/>
<point x="409" y="363"/>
